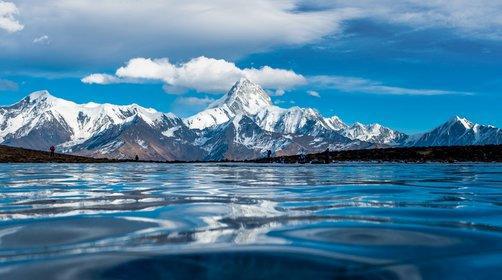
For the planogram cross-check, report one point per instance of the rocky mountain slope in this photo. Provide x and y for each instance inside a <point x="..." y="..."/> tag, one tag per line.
<point x="458" y="131"/>
<point x="243" y="124"/>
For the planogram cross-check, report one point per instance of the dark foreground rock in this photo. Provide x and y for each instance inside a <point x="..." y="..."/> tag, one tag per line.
<point x="487" y="153"/>
<point x="13" y="155"/>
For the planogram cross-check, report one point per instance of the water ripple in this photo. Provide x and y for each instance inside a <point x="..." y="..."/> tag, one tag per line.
<point x="263" y="221"/>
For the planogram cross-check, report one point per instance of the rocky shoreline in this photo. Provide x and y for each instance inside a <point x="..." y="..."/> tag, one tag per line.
<point x="20" y="155"/>
<point x="487" y="153"/>
<point x="446" y="154"/>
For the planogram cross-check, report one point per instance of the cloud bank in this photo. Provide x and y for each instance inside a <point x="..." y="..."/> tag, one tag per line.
<point x="202" y="74"/>
<point x="479" y="19"/>
<point x="210" y="75"/>
<point x="8" y="22"/>
<point x="361" y="85"/>
<point x="111" y="31"/>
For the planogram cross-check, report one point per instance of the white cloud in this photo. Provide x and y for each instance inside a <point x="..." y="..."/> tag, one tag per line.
<point x="211" y="75"/>
<point x="44" y="39"/>
<point x="7" y="85"/>
<point x="278" y="92"/>
<point x="194" y="101"/>
<point x="110" y="31"/>
<point x="360" y="85"/>
<point x="480" y="18"/>
<point x="100" y="79"/>
<point x="202" y="74"/>
<point x="8" y="22"/>
<point x="145" y="68"/>
<point x="313" y="93"/>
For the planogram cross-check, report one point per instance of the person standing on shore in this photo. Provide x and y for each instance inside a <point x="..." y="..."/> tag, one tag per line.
<point x="52" y="149"/>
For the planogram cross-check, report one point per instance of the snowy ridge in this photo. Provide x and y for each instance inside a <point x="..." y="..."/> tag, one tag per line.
<point x="81" y="121"/>
<point x="243" y="124"/>
<point x="249" y="99"/>
<point x="245" y="97"/>
<point x="374" y="133"/>
<point x="335" y="123"/>
<point x="457" y="131"/>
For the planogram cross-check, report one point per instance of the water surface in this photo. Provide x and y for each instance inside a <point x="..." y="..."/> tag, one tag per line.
<point x="217" y="221"/>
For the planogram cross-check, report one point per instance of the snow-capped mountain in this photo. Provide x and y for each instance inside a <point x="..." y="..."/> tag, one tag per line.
<point x="374" y="133"/>
<point x="79" y="121"/>
<point x="249" y="99"/>
<point x="243" y="124"/>
<point x="335" y="123"/>
<point x="41" y="120"/>
<point x="295" y="120"/>
<point x="458" y="131"/>
<point x="245" y="97"/>
<point x="242" y="138"/>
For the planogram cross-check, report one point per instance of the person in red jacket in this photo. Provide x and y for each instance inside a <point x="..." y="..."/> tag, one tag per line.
<point x="52" y="149"/>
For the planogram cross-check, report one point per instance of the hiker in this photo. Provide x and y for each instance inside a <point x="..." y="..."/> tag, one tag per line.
<point x="269" y="153"/>
<point x="136" y="158"/>
<point x="327" y="158"/>
<point x="52" y="149"/>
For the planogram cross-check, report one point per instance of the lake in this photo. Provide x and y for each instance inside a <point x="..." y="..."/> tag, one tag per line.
<point x="227" y="221"/>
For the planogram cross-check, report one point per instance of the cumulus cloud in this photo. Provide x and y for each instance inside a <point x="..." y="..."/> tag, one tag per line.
<point x="202" y="74"/>
<point x="360" y="85"/>
<point x="101" y="79"/>
<point x="7" y="85"/>
<point x="211" y="75"/>
<point x="313" y="93"/>
<point x="8" y="13"/>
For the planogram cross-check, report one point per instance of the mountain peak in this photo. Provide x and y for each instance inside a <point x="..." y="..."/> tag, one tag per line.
<point x="44" y="97"/>
<point x="335" y="123"/>
<point x="358" y="124"/>
<point x="41" y="94"/>
<point x="463" y="121"/>
<point x="243" y="80"/>
<point x="244" y="97"/>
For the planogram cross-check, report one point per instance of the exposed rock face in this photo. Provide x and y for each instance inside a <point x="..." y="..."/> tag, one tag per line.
<point x="374" y="133"/>
<point x="244" y="98"/>
<point x="243" y="124"/>
<point x="458" y="131"/>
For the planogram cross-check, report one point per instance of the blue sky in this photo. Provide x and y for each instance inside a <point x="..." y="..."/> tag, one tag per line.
<point x="409" y="65"/>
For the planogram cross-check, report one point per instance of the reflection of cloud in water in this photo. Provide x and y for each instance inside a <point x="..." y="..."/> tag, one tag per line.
<point x="218" y="231"/>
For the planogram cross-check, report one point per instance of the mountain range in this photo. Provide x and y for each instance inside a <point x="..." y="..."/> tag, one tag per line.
<point x="243" y="124"/>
